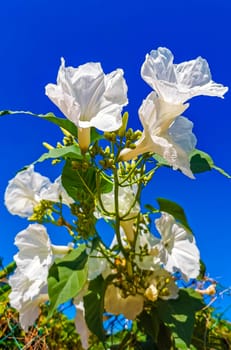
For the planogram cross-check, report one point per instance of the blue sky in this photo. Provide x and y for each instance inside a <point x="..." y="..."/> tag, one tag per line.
<point x="33" y="37"/>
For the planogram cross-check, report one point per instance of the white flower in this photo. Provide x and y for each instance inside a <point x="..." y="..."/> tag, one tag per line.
<point x="28" y="188"/>
<point x="161" y="285"/>
<point x="130" y="306"/>
<point x="128" y="208"/>
<point x="177" y="83"/>
<point x="81" y="325"/>
<point x="89" y="98"/>
<point x="23" y="192"/>
<point x="29" y="282"/>
<point x="165" y="133"/>
<point x="55" y="191"/>
<point x="148" y="250"/>
<point x="26" y="296"/>
<point x="97" y="264"/>
<point x="180" y="250"/>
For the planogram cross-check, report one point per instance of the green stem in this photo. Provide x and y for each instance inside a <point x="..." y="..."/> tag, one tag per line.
<point x="8" y="269"/>
<point x="116" y="201"/>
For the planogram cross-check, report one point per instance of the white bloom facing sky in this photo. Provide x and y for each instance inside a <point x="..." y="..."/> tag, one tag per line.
<point x="177" y="83"/>
<point x="29" y="282"/>
<point x="28" y="188"/>
<point x="89" y="98"/>
<point x="165" y="133"/>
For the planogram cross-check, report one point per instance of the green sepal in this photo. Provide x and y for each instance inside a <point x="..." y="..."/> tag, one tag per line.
<point x="94" y="306"/>
<point x="122" y="129"/>
<point x="61" y="122"/>
<point x="67" y="276"/>
<point x="175" y="210"/>
<point x="179" y="316"/>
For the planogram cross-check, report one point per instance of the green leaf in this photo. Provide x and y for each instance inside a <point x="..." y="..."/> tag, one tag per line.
<point x="179" y="316"/>
<point x="175" y="210"/>
<point x="77" y="180"/>
<point x="63" y="123"/>
<point x="201" y="162"/>
<point x="67" y="277"/>
<point x="94" y="306"/>
<point x="72" y="151"/>
<point x="151" y="208"/>
<point x="149" y="323"/>
<point x="104" y="183"/>
<point x="8" y="269"/>
<point x="95" y="135"/>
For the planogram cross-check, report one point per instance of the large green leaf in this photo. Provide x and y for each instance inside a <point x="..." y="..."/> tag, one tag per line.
<point x="88" y="180"/>
<point x="76" y="180"/>
<point x="94" y="306"/>
<point x="175" y="210"/>
<point x="67" y="277"/>
<point x="72" y="151"/>
<point x="179" y="316"/>
<point x="201" y="161"/>
<point x="62" y="122"/>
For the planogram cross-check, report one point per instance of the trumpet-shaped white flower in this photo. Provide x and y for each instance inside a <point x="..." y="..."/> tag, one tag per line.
<point x="148" y="250"/>
<point x="179" y="247"/>
<point x="128" y="208"/>
<point x="177" y="83"/>
<point x="89" y="98"/>
<point x="165" y="133"/>
<point x="56" y="192"/>
<point x="24" y="192"/>
<point x="26" y="296"/>
<point x="28" y="188"/>
<point x="130" y="306"/>
<point x="29" y="282"/>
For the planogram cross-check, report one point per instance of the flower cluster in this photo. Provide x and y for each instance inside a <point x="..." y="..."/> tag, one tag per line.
<point x="102" y="181"/>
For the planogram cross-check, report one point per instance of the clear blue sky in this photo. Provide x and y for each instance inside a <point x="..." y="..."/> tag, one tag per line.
<point x="33" y="37"/>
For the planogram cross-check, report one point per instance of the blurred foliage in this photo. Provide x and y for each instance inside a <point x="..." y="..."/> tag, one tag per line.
<point x="59" y="333"/>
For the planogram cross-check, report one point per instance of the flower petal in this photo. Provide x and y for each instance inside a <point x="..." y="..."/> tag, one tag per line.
<point x="180" y="247"/>
<point x="88" y="97"/>
<point x="176" y="83"/>
<point x="23" y="192"/>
